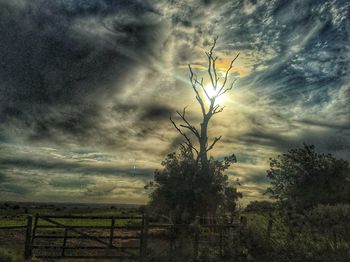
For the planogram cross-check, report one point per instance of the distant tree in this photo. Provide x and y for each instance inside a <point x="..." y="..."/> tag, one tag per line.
<point x="191" y="183"/>
<point x="303" y="178"/>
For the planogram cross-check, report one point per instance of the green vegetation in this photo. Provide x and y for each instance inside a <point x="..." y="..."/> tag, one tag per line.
<point x="317" y="236"/>
<point x="18" y="216"/>
<point x="182" y="192"/>
<point x="303" y="178"/>
<point x="309" y="220"/>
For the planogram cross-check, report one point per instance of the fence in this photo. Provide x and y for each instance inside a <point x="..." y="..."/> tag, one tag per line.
<point x="55" y="237"/>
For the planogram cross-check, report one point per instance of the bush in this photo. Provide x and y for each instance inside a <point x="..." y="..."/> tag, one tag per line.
<point x="182" y="191"/>
<point x="333" y="221"/>
<point x="321" y="234"/>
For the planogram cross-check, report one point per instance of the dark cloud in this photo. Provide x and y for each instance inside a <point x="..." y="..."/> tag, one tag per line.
<point x="62" y="60"/>
<point x="70" y="182"/>
<point x="15" y="188"/>
<point x="3" y="177"/>
<point x="156" y="112"/>
<point x="73" y="167"/>
<point x="328" y="140"/>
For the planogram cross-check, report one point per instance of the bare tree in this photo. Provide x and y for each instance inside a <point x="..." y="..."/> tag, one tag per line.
<point x="208" y="106"/>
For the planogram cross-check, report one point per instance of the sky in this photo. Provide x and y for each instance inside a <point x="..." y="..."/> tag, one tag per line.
<point x="87" y="87"/>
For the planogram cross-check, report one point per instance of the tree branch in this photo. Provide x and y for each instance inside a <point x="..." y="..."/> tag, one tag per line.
<point x="192" y="128"/>
<point x="198" y="97"/>
<point x="227" y="89"/>
<point x="226" y="76"/>
<point x="216" y="139"/>
<point x="211" y="64"/>
<point x="217" y="109"/>
<point x="188" y="141"/>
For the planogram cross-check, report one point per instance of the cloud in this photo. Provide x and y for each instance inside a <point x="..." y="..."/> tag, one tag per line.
<point x="70" y="182"/>
<point x="156" y="112"/>
<point x="87" y="88"/>
<point x="73" y="167"/>
<point x="63" y="60"/>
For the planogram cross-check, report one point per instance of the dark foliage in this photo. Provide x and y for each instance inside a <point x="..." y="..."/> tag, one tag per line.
<point x="303" y="178"/>
<point x="260" y="206"/>
<point x="182" y="192"/>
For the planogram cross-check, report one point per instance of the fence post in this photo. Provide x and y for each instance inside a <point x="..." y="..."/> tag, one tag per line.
<point x="111" y="233"/>
<point x="269" y="226"/>
<point x="141" y="236"/>
<point x="221" y="241"/>
<point x="64" y="241"/>
<point x="196" y="239"/>
<point x="144" y="233"/>
<point x="28" y="247"/>
<point x="171" y="242"/>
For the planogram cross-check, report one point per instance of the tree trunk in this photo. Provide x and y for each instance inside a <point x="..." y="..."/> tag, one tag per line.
<point x="203" y="142"/>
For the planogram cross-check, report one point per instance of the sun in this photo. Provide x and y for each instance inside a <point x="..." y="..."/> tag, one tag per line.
<point x="212" y="92"/>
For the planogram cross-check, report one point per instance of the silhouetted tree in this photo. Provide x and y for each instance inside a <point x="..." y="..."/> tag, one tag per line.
<point x="303" y="178"/>
<point x="190" y="183"/>
<point x="208" y="106"/>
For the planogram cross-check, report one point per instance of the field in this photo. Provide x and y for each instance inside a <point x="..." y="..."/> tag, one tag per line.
<point x="15" y="214"/>
<point x="261" y="236"/>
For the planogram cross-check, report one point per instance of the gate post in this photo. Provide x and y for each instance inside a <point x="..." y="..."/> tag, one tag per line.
<point x="64" y="242"/>
<point x="144" y="233"/>
<point x="196" y="238"/>
<point x="28" y="246"/>
<point x="111" y="233"/>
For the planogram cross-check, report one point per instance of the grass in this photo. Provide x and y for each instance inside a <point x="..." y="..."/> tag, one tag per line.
<point x="11" y="217"/>
<point x="12" y="241"/>
<point x="7" y="255"/>
<point x="305" y="245"/>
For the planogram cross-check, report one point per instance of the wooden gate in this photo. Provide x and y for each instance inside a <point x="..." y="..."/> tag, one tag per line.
<point x="86" y="236"/>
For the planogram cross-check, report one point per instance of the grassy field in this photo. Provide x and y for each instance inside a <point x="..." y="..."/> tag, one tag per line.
<point x="15" y="214"/>
<point x="285" y="241"/>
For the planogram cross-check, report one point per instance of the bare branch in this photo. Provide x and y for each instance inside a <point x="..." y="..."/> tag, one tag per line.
<point x="210" y="58"/>
<point x="214" y="44"/>
<point x="188" y="125"/>
<point x="216" y="139"/>
<point x="188" y="141"/>
<point x="208" y="109"/>
<point x="195" y="81"/>
<point x="215" y="73"/>
<point x="198" y="97"/>
<point x="227" y="72"/>
<point x="228" y="89"/>
<point x="218" y="110"/>
<point x="211" y="64"/>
